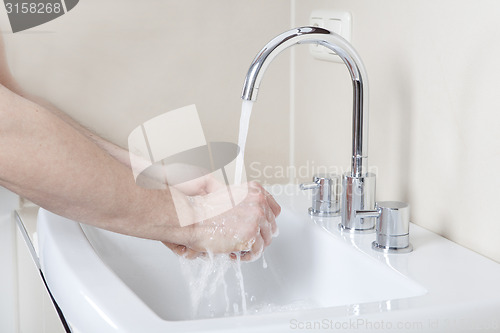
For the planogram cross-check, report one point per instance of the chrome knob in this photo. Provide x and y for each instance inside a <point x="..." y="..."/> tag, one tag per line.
<point x="325" y="200"/>
<point x="392" y="227"/>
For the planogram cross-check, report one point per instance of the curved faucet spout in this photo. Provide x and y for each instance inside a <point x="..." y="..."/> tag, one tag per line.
<point x="332" y="41"/>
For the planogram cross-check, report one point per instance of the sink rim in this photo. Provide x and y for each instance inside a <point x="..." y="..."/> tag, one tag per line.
<point x="431" y="251"/>
<point x="286" y="287"/>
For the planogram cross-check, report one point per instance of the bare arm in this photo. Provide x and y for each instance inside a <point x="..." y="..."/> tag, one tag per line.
<point x="50" y="159"/>
<point x="47" y="161"/>
<point x="10" y="83"/>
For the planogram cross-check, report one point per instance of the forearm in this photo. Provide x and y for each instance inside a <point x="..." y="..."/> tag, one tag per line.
<point x="47" y="161"/>
<point x="115" y="151"/>
<point x="55" y="162"/>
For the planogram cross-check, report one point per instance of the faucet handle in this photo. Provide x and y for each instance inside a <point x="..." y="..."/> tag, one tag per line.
<point x="309" y="186"/>
<point x="325" y="200"/>
<point x="392" y="227"/>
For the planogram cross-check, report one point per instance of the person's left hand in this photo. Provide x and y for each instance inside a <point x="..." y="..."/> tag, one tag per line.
<point x="200" y="186"/>
<point x="241" y="231"/>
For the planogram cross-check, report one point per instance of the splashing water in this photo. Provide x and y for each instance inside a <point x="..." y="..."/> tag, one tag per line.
<point x="205" y="276"/>
<point x="246" y="112"/>
<point x="264" y="262"/>
<point x="217" y="289"/>
<point x="239" y="276"/>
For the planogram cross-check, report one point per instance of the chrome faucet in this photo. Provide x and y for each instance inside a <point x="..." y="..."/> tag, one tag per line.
<point x="358" y="186"/>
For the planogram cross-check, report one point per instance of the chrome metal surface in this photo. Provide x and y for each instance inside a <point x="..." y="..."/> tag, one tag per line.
<point x="358" y="195"/>
<point x="308" y="186"/>
<point x="394" y="218"/>
<point x="358" y="186"/>
<point x="332" y="41"/>
<point x="392" y="227"/>
<point x="380" y="248"/>
<point x="325" y="199"/>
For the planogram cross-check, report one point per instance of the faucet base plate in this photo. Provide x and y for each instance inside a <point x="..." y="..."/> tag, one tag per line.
<point x="356" y="231"/>
<point x="313" y="212"/>
<point x="390" y="250"/>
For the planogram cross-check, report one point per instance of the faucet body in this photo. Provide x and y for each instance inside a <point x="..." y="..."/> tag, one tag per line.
<point x="358" y="186"/>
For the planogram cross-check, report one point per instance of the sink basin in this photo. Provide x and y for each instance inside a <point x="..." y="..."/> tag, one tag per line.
<point x="105" y="281"/>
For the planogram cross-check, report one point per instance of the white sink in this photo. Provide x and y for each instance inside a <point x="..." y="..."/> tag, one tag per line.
<point x="109" y="282"/>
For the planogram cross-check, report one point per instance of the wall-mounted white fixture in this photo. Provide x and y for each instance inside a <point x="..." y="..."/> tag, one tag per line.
<point x="336" y="21"/>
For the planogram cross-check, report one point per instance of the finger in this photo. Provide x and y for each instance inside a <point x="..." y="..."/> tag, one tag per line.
<point x="272" y="222"/>
<point x="183" y="251"/>
<point x="176" y="248"/>
<point x="266" y="230"/>
<point x="275" y="207"/>
<point x="274" y="226"/>
<point x="191" y="254"/>
<point x="255" y="188"/>
<point x="254" y="254"/>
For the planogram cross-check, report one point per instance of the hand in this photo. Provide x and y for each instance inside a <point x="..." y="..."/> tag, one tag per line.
<point x="247" y="228"/>
<point x="201" y="186"/>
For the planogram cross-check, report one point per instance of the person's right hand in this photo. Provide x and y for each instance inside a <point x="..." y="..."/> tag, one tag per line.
<point x="243" y="230"/>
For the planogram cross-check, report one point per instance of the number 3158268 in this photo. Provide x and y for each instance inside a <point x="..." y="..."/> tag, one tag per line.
<point x="33" y="8"/>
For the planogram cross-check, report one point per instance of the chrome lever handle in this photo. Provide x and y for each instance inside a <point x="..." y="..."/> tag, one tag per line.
<point x="309" y="186"/>
<point x="325" y="201"/>
<point x="368" y="213"/>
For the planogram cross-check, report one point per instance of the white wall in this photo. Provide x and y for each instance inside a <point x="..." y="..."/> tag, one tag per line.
<point x="434" y="121"/>
<point x="114" y="64"/>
